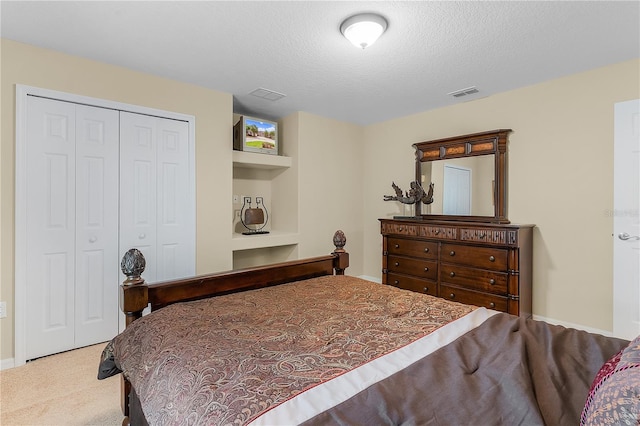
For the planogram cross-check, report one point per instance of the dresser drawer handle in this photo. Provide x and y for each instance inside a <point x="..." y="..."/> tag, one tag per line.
<point x="452" y="253"/>
<point x="396" y="282"/>
<point x="397" y="263"/>
<point x="426" y="289"/>
<point x="426" y="250"/>
<point x="400" y="229"/>
<point x="492" y="281"/>
<point x="437" y="231"/>
<point x="492" y="305"/>
<point x="452" y="296"/>
<point x="397" y="246"/>
<point x="452" y="274"/>
<point x="492" y="258"/>
<point x="426" y="269"/>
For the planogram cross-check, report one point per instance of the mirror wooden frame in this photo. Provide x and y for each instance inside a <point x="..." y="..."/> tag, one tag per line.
<point x="485" y="143"/>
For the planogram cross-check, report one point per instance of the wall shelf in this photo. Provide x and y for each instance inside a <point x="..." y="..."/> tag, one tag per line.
<point x="254" y="160"/>
<point x="275" y="178"/>
<point x="272" y="239"/>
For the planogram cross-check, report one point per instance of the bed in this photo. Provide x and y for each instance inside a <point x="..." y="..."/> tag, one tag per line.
<point x="300" y="342"/>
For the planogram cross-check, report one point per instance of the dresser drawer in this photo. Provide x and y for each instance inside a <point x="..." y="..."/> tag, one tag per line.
<point x="416" y="248"/>
<point x="477" y="279"/>
<point x="399" y="229"/>
<point x="470" y="297"/>
<point x="480" y="257"/>
<point x="413" y="284"/>
<point x="410" y="266"/>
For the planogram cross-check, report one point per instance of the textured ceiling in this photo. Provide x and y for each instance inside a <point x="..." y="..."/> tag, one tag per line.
<point x="430" y="48"/>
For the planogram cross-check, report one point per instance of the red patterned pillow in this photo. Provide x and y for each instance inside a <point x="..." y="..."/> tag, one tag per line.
<point x="614" y="396"/>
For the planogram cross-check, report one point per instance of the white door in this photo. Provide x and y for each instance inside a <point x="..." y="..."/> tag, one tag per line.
<point x="97" y="279"/>
<point x="175" y="231"/>
<point x="138" y="181"/>
<point x="626" y="223"/>
<point x="71" y="239"/>
<point x="156" y="214"/>
<point x="50" y="236"/>
<point x="456" y="190"/>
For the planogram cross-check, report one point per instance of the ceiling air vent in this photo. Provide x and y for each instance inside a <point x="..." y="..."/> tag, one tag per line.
<point x="464" y="92"/>
<point x="267" y="94"/>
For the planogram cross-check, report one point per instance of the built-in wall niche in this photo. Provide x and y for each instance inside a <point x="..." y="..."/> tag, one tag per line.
<point x="252" y="184"/>
<point x="273" y="178"/>
<point x="264" y="256"/>
<point x="260" y="175"/>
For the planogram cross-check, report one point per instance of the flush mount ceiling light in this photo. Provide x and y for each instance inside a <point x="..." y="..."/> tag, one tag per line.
<point x="364" y="29"/>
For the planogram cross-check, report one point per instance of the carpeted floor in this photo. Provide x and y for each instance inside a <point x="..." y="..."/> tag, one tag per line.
<point x="60" y="389"/>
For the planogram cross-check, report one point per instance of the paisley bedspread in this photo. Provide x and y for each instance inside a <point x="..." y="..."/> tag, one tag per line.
<point x="228" y="359"/>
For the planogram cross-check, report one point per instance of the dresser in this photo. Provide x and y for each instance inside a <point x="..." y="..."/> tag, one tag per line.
<point x="483" y="264"/>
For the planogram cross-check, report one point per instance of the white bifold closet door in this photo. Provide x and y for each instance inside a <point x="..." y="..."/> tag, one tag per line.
<point x="72" y="226"/>
<point x="98" y="182"/>
<point x="155" y="212"/>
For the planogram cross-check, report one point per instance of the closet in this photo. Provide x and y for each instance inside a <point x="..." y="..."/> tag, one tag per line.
<point x="96" y="182"/>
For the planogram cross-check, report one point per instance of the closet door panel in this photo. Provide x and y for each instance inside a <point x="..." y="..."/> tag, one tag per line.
<point x="138" y="182"/>
<point x="174" y="239"/>
<point x="97" y="279"/>
<point x="50" y="222"/>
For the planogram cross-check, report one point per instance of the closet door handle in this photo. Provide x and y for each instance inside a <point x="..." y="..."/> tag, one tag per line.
<point x="93" y="239"/>
<point x="142" y="236"/>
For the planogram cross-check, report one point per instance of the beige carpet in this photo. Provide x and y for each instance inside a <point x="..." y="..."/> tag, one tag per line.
<point x="60" y="389"/>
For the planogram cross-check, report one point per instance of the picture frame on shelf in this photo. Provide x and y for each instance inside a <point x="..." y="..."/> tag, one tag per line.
<point x="252" y="134"/>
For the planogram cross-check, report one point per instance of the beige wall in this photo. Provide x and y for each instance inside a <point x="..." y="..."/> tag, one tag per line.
<point x="560" y="178"/>
<point x="28" y="65"/>
<point x="330" y="186"/>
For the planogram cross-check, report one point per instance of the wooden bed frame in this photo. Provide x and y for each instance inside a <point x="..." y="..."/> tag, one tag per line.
<point x="136" y="295"/>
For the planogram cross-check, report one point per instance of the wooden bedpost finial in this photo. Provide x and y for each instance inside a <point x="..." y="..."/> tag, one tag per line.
<point x="134" y="295"/>
<point x="132" y="265"/>
<point x="339" y="240"/>
<point x="341" y="261"/>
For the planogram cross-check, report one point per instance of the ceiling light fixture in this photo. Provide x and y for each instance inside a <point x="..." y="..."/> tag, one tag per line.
<point x="364" y="29"/>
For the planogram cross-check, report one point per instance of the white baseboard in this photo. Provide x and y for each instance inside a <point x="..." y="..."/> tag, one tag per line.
<point x="572" y="325"/>
<point x="7" y="363"/>
<point x="369" y="278"/>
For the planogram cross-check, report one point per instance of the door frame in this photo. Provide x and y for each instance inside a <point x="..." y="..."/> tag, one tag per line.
<point x="20" y="250"/>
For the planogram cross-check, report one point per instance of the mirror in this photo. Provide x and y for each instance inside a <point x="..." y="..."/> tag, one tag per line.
<point x="466" y="186"/>
<point x="469" y="177"/>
